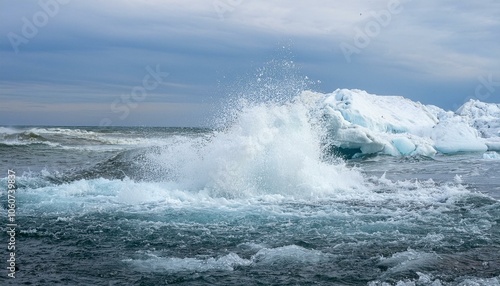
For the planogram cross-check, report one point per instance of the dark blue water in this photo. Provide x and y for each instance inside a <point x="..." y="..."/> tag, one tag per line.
<point x="162" y="206"/>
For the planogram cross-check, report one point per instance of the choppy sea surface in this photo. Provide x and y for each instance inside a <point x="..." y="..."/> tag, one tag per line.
<point x="258" y="203"/>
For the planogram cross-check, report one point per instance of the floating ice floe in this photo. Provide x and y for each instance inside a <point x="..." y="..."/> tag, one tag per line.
<point x="370" y="124"/>
<point x="491" y="156"/>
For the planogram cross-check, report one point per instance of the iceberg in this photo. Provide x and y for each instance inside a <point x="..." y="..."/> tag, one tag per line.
<point x="485" y="118"/>
<point x="361" y="123"/>
<point x="453" y="135"/>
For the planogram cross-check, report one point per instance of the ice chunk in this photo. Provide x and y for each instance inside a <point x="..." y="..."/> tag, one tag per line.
<point x="491" y="156"/>
<point x="453" y="135"/>
<point x="404" y="145"/>
<point x="485" y="117"/>
<point x="393" y="125"/>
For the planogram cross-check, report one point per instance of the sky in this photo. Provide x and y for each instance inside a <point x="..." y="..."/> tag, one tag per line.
<point x="172" y="62"/>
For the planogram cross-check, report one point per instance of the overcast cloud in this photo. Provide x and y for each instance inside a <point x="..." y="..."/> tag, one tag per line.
<point x="87" y="58"/>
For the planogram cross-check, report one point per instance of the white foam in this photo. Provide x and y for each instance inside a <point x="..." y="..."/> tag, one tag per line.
<point x="290" y="254"/>
<point x="494" y="281"/>
<point x="145" y="197"/>
<point x="423" y="279"/>
<point x="287" y="255"/>
<point x="63" y="131"/>
<point x="408" y="260"/>
<point x="8" y="130"/>
<point x="428" y="279"/>
<point x="79" y="139"/>
<point x="269" y="148"/>
<point x="173" y="264"/>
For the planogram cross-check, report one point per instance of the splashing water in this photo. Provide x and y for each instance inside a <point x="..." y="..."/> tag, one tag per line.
<point x="270" y="148"/>
<point x="259" y="201"/>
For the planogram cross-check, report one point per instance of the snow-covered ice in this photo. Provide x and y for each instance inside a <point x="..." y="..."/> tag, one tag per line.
<point x="395" y="125"/>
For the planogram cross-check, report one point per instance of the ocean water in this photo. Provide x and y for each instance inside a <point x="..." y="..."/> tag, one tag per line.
<point x="263" y="201"/>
